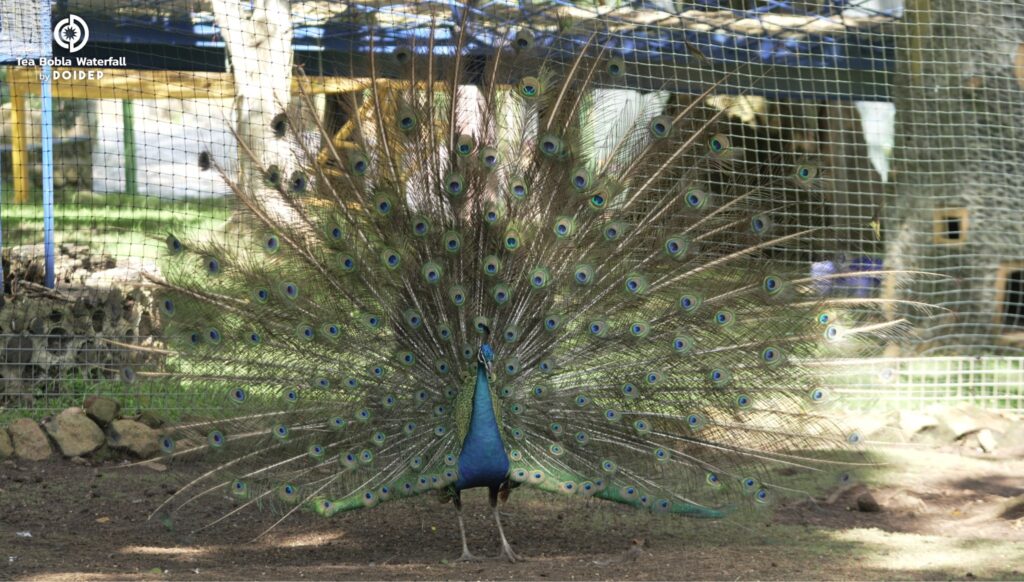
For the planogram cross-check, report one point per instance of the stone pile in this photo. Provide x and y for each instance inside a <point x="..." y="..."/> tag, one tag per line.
<point x="48" y="337"/>
<point x="964" y="425"/>
<point x="95" y="431"/>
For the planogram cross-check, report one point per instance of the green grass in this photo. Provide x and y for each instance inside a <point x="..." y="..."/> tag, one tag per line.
<point x="992" y="382"/>
<point x="116" y="224"/>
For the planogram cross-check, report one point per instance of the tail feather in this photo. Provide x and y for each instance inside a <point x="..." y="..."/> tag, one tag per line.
<point x="617" y="253"/>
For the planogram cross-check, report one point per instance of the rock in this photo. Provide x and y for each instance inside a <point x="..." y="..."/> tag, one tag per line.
<point x="30" y="442"/>
<point x="987" y="440"/>
<point x="6" y="446"/>
<point x="866" y="502"/>
<point x="149" y="419"/>
<point x="967" y="418"/>
<point x="74" y="433"/>
<point x="903" y="501"/>
<point x="1013" y="436"/>
<point x="79" y="461"/>
<point x="868" y="425"/>
<point x="956" y="421"/>
<point x="134" y="436"/>
<point x="911" y="422"/>
<point x="1012" y="509"/>
<point x="102" y="410"/>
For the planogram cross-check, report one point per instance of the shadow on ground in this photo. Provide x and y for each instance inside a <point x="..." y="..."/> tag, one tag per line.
<point x="943" y="516"/>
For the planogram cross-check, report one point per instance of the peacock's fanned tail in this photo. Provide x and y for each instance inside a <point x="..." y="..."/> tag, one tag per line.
<point x="649" y="348"/>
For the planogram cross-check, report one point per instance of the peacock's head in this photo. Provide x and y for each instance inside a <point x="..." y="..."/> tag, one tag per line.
<point x="486" y="354"/>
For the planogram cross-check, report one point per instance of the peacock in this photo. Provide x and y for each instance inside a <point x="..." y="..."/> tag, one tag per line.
<point x="508" y="271"/>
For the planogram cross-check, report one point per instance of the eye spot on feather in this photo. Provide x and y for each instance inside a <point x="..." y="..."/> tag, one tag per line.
<point x="273" y="176"/>
<point x="174" y="245"/>
<point x="616" y="66"/>
<point x="695" y="422"/>
<point x="280" y="431"/>
<point x="552" y="322"/>
<point x="297" y="183"/>
<point x="660" y="126"/>
<point x="489" y="157"/>
<point x="452" y="241"/>
<point x="215" y="439"/>
<point x="402" y="55"/>
<point x="239" y="488"/>
<point x="432" y="272"/>
<point x="718" y="144"/>
<point x="524" y="39"/>
<point x="719" y="376"/>
<point x="421" y="227"/>
<point x="501" y="293"/>
<point x="760" y="224"/>
<point x="512" y="241"/>
<point x="723" y="317"/>
<point x="212" y="266"/>
<point x="279" y="125"/>
<point x="682" y="344"/>
<point x="806" y="173"/>
<point x="771" y="355"/>
<point x="391" y="259"/>
<point x="518" y="188"/>
<point x="696" y="199"/>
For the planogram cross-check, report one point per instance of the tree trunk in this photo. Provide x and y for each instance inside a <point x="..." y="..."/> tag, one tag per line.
<point x="959" y="153"/>
<point x="259" y="46"/>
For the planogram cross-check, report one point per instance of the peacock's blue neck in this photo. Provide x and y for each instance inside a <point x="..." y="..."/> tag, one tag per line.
<point x="483" y="461"/>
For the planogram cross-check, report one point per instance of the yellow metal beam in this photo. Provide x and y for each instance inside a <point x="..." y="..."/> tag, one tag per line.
<point x="138" y="84"/>
<point x="19" y="143"/>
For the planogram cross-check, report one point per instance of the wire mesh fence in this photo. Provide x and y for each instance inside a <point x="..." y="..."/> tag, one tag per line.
<point x="118" y="118"/>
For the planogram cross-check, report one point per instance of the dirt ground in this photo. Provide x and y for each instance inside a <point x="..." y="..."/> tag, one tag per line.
<point x="945" y="515"/>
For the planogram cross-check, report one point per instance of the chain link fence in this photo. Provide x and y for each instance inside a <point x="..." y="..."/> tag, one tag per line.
<point x="115" y="116"/>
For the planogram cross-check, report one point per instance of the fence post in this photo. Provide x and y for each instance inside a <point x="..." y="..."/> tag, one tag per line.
<point x="131" y="185"/>
<point x="47" y="162"/>
<point x="19" y="140"/>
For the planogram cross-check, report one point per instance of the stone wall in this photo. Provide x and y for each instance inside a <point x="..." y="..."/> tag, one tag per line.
<point x="53" y="341"/>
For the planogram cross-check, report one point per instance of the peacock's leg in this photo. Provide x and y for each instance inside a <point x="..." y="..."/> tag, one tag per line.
<point x="506" y="549"/>
<point x="466" y="556"/>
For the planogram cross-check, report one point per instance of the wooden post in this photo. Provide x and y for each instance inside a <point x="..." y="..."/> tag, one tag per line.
<point x="19" y="143"/>
<point x="131" y="185"/>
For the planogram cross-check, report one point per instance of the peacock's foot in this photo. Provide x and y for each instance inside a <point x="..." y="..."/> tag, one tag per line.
<point x="508" y="554"/>
<point x="468" y="557"/>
